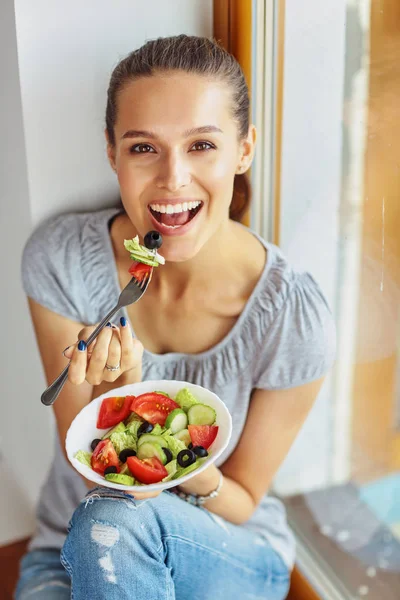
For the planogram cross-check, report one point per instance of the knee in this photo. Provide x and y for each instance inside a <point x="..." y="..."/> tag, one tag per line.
<point x="102" y="522"/>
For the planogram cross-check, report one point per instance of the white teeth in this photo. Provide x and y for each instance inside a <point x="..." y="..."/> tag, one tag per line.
<point x="174" y="208"/>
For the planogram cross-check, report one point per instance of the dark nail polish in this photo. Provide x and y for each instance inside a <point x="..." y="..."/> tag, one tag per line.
<point x="108" y="324"/>
<point x="122" y="321"/>
<point x="82" y="346"/>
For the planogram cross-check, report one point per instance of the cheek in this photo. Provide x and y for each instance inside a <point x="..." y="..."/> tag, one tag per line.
<point x="222" y="166"/>
<point x="131" y="181"/>
<point x="219" y="177"/>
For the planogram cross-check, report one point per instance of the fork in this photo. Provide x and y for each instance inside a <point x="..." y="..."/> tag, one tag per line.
<point x="130" y="294"/>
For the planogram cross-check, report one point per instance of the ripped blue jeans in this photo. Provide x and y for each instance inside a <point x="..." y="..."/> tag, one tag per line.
<point x="162" y="548"/>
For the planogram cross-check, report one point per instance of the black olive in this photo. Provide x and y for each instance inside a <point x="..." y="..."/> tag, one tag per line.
<point x="186" y="458"/>
<point x="153" y="240"/>
<point x="145" y="428"/>
<point x="190" y="446"/>
<point x="200" y="451"/>
<point x="123" y="455"/>
<point x="110" y="470"/>
<point x="168" y="454"/>
<point x="94" y="443"/>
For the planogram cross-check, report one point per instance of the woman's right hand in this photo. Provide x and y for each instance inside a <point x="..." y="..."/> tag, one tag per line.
<point x="113" y="347"/>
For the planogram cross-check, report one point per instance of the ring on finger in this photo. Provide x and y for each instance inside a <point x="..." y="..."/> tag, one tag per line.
<point x="110" y="368"/>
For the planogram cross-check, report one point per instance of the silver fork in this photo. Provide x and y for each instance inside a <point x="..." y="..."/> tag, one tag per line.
<point x="130" y="294"/>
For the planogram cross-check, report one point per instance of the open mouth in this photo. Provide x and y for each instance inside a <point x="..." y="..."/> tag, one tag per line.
<point x="175" y="215"/>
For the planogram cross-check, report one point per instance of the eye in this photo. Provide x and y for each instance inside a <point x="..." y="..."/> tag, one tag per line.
<point x="141" y="149"/>
<point x="202" y="146"/>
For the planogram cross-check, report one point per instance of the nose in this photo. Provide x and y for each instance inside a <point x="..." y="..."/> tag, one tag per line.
<point x="174" y="173"/>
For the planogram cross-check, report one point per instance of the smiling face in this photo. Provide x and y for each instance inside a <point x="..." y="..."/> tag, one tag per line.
<point x="176" y="153"/>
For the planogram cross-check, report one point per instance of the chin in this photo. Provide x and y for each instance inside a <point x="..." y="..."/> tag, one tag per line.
<point x="178" y="252"/>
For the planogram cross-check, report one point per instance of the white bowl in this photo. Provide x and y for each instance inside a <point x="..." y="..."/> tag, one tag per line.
<point x="83" y="430"/>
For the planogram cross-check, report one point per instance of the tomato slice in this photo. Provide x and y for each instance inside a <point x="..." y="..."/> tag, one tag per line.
<point x="203" y="435"/>
<point x="104" y="456"/>
<point x="139" y="270"/>
<point x="153" y="407"/>
<point x="148" y="470"/>
<point x="113" y="410"/>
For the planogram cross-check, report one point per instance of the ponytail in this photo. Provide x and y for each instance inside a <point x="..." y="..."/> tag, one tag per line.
<point x="241" y="197"/>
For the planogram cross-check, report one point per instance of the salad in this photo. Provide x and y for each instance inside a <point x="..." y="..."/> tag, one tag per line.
<point x="151" y="438"/>
<point x="144" y="257"/>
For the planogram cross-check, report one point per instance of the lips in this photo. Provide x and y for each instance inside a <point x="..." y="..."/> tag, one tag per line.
<point x="174" y="218"/>
<point x="176" y="214"/>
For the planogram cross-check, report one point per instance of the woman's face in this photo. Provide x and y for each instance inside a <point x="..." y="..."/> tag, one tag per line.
<point x="176" y="154"/>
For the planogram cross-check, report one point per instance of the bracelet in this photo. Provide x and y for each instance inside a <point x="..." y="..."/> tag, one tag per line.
<point x="200" y="500"/>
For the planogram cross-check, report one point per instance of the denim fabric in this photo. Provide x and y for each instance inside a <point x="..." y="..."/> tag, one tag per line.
<point x="42" y="577"/>
<point x="157" y="549"/>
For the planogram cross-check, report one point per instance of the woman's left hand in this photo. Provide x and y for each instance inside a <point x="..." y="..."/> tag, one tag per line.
<point x="144" y="495"/>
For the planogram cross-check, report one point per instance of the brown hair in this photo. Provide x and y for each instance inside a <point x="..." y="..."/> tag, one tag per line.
<point x="191" y="54"/>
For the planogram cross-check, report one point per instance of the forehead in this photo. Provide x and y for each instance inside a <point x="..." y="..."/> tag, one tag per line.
<point x="167" y="103"/>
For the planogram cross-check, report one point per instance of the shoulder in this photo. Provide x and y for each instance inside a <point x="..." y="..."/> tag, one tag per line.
<point x="297" y="333"/>
<point x="63" y="232"/>
<point x="54" y="258"/>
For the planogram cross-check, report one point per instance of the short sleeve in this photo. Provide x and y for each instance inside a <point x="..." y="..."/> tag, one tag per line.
<point x="300" y="343"/>
<point x="50" y="268"/>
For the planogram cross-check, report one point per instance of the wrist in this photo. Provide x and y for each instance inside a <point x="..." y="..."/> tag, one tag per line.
<point x="198" y="499"/>
<point x="204" y="483"/>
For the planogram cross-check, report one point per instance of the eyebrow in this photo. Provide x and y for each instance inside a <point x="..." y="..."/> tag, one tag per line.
<point x="139" y="133"/>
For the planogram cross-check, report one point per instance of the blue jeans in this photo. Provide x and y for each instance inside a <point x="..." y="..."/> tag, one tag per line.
<point x="162" y="548"/>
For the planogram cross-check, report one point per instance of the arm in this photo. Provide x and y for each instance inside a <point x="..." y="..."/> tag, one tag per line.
<point x="273" y="422"/>
<point x="53" y="333"/>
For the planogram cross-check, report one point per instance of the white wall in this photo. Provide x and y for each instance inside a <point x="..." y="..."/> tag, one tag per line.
<point x="24" y="427"/>
<point x="311" y="179"/>
<point x="53" y="160"/>
<point x="67" y="51"/>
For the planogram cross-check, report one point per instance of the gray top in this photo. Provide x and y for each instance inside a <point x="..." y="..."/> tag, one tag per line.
<point x="284" y="337"/>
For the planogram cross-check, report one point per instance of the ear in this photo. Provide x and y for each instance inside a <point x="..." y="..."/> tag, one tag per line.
<point x="247" y="149"/>
<point x="110" y="151"/>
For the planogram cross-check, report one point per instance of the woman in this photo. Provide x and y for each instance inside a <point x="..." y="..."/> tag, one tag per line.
<point x="226" y="312"/>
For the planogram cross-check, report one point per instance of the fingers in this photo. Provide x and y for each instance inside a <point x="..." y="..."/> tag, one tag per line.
<point x="78" y="364"/>
<point x="81" y="356"/>
<point x="131" y="348"/>
<point x="113" y="359"/>
<point x="144" y="495"/>
<point x="95" y="371"/>
<point x="82" y="335"/>
<point x="114" y="347"/>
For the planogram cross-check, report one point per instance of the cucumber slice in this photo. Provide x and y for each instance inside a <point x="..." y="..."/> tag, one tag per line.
<point x="142" y="259"/>
<point x="183" y="436"/>
<point x="150" y="449"/>
<point x="171" y="468"/>
<point x="201" y="414"/>
<point x="117" y="429"/>
<point x="120" y="478"/>
<point x="189" y="469"/>
<point x="149" y="437"/>
<point x="176" y="420"/>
